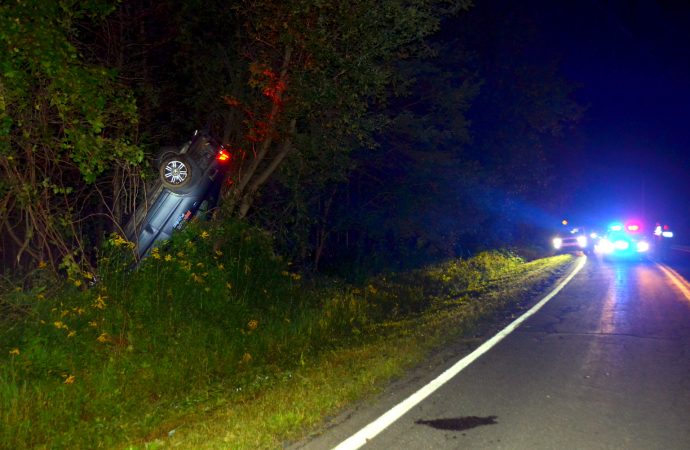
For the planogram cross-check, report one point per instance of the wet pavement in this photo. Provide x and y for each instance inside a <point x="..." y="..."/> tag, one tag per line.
<point x="605" y="364"/>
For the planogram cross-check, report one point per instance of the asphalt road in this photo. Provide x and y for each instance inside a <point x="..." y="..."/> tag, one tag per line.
<point x="605" y="364"/>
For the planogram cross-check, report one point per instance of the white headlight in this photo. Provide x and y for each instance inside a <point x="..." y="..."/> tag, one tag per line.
<point x="582" y="241"/>
<point x="642" y="246"/>
<point x="557" y="243"/>
<point x="605" y="246"/>
<point x="621" y="245"/>
<point x="668" y="234"/>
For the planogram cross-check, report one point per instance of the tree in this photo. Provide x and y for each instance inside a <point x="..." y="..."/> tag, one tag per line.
<point x="301" y="71"/>
<point x="520" y="118"/>
<point x="63" y="123"/>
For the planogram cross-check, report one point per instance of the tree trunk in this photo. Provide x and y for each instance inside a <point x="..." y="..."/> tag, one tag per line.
<point x="246" y="187"/>
<point x="248" y="197"/>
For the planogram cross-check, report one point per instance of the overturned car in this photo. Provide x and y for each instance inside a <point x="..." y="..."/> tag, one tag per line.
<point x="189" y="182"/>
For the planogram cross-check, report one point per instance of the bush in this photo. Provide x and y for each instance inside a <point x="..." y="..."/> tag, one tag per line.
<point x="213" y="310"/>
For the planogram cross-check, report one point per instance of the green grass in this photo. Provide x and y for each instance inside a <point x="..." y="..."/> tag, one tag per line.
<point x="214" y="342"/>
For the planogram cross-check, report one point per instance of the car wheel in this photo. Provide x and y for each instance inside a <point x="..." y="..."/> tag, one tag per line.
<point x="175" y="172"/>
<point x="162" y="154"/>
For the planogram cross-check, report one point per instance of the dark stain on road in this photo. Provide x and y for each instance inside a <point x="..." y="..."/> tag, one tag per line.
<point x="458" y="423"/>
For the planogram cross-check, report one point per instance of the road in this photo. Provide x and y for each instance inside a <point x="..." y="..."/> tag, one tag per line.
<point x="605" y="364"/>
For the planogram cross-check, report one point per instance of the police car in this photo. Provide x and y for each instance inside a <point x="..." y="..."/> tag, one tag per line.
<point x="624" y="241"/>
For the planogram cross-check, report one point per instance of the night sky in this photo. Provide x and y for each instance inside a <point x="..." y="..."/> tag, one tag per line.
<point x="632" y="61"/>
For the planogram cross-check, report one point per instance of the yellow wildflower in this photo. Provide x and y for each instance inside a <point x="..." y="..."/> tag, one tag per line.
<point x="219" y="253"/>
<point x="296" y="276"/>
<point x="77" y="283"/>
<point x="180" y="254"/>
<point x="93" y="324"/>
<point x="99" y="303"/>
<point x="104" y="337"/>
<point x="69" y="380"/>
<point x="221" y="266"/>
<point x="40" y="297"/>
<point x="64" y="313"/>
<point x="246" y="357"/>
<point x="14" y="352"/>
<point x="252" y="324"/>
<point x="285" y="273"/>
<point x="72" y="333"/>
<point x="372" y="289"/>
<point x="197" y="278"/>
<point x="59" y="325"/>
<point x="228" y="285"/>
<point x="204" y="234"/>
<point x="168" y="257"/>
<point x="42" y="264"/>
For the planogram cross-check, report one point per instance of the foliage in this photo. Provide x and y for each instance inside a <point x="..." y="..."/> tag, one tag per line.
<point x="63" y="123"/>
<point x="520" y="118"/>
<point x="403" y="205"/>
<point x="465" y="162"/>
<point x="301" y="82"/>
<point x="361" y="131"/>
<point x="212" y="316"/>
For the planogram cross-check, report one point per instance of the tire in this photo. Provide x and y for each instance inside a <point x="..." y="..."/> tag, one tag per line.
<point x="162" y="154"/>
<point x="175" y="172"/>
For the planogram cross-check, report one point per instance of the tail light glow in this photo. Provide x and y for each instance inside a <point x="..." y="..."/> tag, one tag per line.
<point x="223" y="155"/>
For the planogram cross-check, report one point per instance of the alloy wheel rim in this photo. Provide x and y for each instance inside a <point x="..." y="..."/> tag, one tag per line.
<point x="175" y="172"/>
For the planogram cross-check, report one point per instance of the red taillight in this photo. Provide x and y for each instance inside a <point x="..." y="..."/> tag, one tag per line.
<point x="223" y="155"/>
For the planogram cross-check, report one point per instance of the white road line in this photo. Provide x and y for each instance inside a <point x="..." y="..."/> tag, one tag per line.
<point x="360" y="438"/>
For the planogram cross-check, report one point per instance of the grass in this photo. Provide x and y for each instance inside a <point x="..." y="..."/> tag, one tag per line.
<point x="214" y="342"/>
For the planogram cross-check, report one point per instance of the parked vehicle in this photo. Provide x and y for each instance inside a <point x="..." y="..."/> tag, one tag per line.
<point x="624" y="241"/>
<point x="189" y="182"/>
<point x="572" y="240"/>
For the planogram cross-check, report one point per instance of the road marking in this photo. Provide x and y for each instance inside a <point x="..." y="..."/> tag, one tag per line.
<point x="360" y="438"/>
<point x="677" y="279"/>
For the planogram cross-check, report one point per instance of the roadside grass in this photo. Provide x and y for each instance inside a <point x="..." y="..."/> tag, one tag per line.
<point x="214" y="342"/>
<point x="299" y="404"/>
